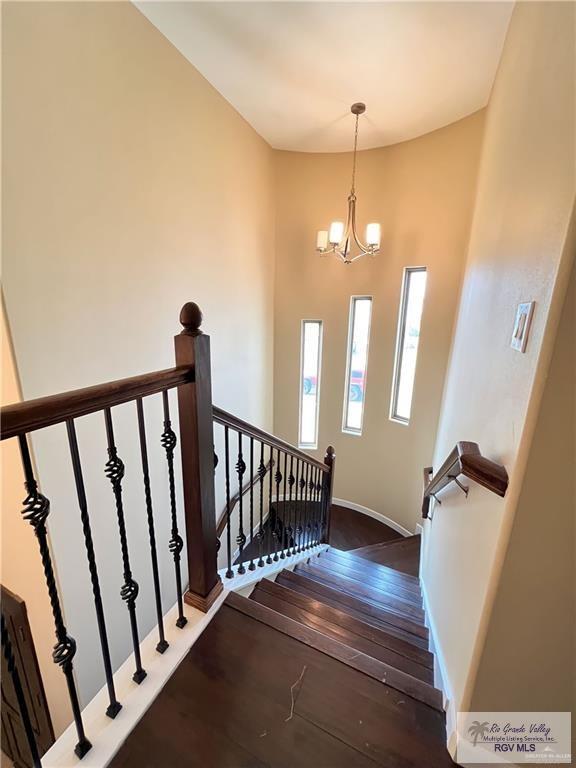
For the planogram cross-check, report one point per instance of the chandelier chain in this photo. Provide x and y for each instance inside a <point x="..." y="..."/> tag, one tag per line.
<point x="353" y="187"/>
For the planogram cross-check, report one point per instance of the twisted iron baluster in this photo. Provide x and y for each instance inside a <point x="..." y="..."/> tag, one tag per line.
<point x="324" y="496"/>
<point x="299" y="507"/>
<point x="20" y="697"/>
<point x="162" y="642"/>
<point x="282" y="553"/>
<point x="269" y="532"/>
<point x="218" y="542"/>
<point x="36" y="510"/>
<point x="276" y="522"/>
<point x="114" y="471"/>
<point x="318" y="507"/>
<point x="176" y="544"/>
<point x="252" y="566"/>
<point x="290" y="515"/>
<point x="312" y="508"/>
<point x="241" y="538"/>
<point x="306" y="505"/>
<point x="261" y="475"/>
<point x="114" y="706"/>
<point x="229" y="571"/>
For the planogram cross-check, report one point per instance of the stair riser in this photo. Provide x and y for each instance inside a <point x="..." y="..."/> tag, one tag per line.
<point x="385" y="585"/>
<point x="356" y="589"/>
<point x="318" y="607"/>
<point x="364" y="607"/>
<point x="341" y="635"/>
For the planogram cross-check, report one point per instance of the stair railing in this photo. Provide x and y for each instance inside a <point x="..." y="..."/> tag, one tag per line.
<point x="191" y="378"/>
<point x="464" y="459"/>
<point x="288" y="497"/>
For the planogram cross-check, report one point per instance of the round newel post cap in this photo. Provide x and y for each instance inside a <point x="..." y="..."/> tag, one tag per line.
<point x="191" y="318"/>
<point x="330" y="453"/>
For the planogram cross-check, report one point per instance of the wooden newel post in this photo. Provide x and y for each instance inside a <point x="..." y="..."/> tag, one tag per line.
<point x="197" y="446"/>
<point x="330" y="461"/>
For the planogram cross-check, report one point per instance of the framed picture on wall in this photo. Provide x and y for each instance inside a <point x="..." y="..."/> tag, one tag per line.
<point x="522" y="324"/>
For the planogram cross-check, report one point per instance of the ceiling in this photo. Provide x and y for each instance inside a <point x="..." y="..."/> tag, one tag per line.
<point x="292" y="69"/>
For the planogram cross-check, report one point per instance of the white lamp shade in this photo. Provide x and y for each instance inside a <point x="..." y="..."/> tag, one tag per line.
<point x="373" y="235"/>
<point x="322" y="240"/>
<point x="336" y="232"/>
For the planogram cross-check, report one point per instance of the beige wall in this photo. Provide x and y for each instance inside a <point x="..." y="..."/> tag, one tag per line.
<point x="422" y="192"/>
<point x="532" y="622"/>
<point x="130" y="186"/>
<point x="517" y="253"/>
<point x="21" y="569"/>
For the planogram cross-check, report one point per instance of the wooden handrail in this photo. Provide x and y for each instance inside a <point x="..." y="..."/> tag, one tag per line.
<point x="465" y="459"/>
<point x="229" y="420"/>
<point x="28" y="416"/>
<point x="221" y="524"/>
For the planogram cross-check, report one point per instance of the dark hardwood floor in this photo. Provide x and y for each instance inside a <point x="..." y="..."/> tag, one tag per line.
<point x="249" y="696"/>
<point x="350" y="529"/>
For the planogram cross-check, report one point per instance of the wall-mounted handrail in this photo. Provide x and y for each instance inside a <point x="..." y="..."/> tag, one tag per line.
<point x="222" y="520"/>
<point x="21" y="418"/>
<point x="465" y="459"/>
<point x="229" y="420"/>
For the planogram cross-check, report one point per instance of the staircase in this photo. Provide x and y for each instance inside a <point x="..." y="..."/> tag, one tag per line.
<point x="326" y="666"/>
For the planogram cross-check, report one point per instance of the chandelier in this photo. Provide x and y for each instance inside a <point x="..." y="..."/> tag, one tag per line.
<point x="340" y="239"/>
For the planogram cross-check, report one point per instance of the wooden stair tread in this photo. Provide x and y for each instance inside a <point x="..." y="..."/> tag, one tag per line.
<point x="364" y="592"/>
<point x="384" y="585"/>
<point x="359" y="561"/>
<point x="342" y="634"/>
<point x="387" y="620"/>
<point x="401" y="556"/>
<point x="347" y="619"/>
<point x="411" y="686"/>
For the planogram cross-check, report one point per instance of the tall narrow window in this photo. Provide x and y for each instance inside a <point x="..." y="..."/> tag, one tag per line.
<point x="357" y="364"/>
<point x="310" y="363"/>
<point x="411" y="305"/>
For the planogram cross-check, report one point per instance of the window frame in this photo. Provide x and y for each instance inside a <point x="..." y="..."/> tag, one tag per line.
<point x="311" y="446"/>
<point x="356" y="432"/>
<point x="399" y="347"/>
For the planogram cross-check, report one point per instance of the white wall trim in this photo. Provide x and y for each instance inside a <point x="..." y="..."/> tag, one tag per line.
<point x="376" y="515"/>
<point x="441" y="678"/>
<point x="106" y="735"/>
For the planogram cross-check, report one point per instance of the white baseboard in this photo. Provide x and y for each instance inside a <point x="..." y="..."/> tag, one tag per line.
<point x="376" y="515"/>
<point x="441" y="679"/>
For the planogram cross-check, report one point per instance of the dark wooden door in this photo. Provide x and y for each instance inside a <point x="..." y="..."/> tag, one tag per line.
<point x="14" y="742"/>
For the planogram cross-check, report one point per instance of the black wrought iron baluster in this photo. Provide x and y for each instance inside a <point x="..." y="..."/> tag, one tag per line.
<point x="114" y="706"/>
<point x="19" y="691"/>
<point x="261" y="475"/>
<point x="284" y="513"/>
<point x="290" y="512"/>
<point x="229" y="571"/>
<point x="129" y="592"/>
<point x="270" y="522"/>
<point x="241" y="538"/>
<point x="36" y="510"/>
<point x="308" y="506"/>
<point x="311" y="508"/>
<point x="162" y="644"/>
<point x="318" y="506"/>
<point x="218" y="542"/>
<point x="176" y="544"/>
<point x="276" y="532"/>
<point x="304" y="496"/>
<point x="252" y="566"/>
<point x="300" y="517"/>
<point x="324" y="505"/>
